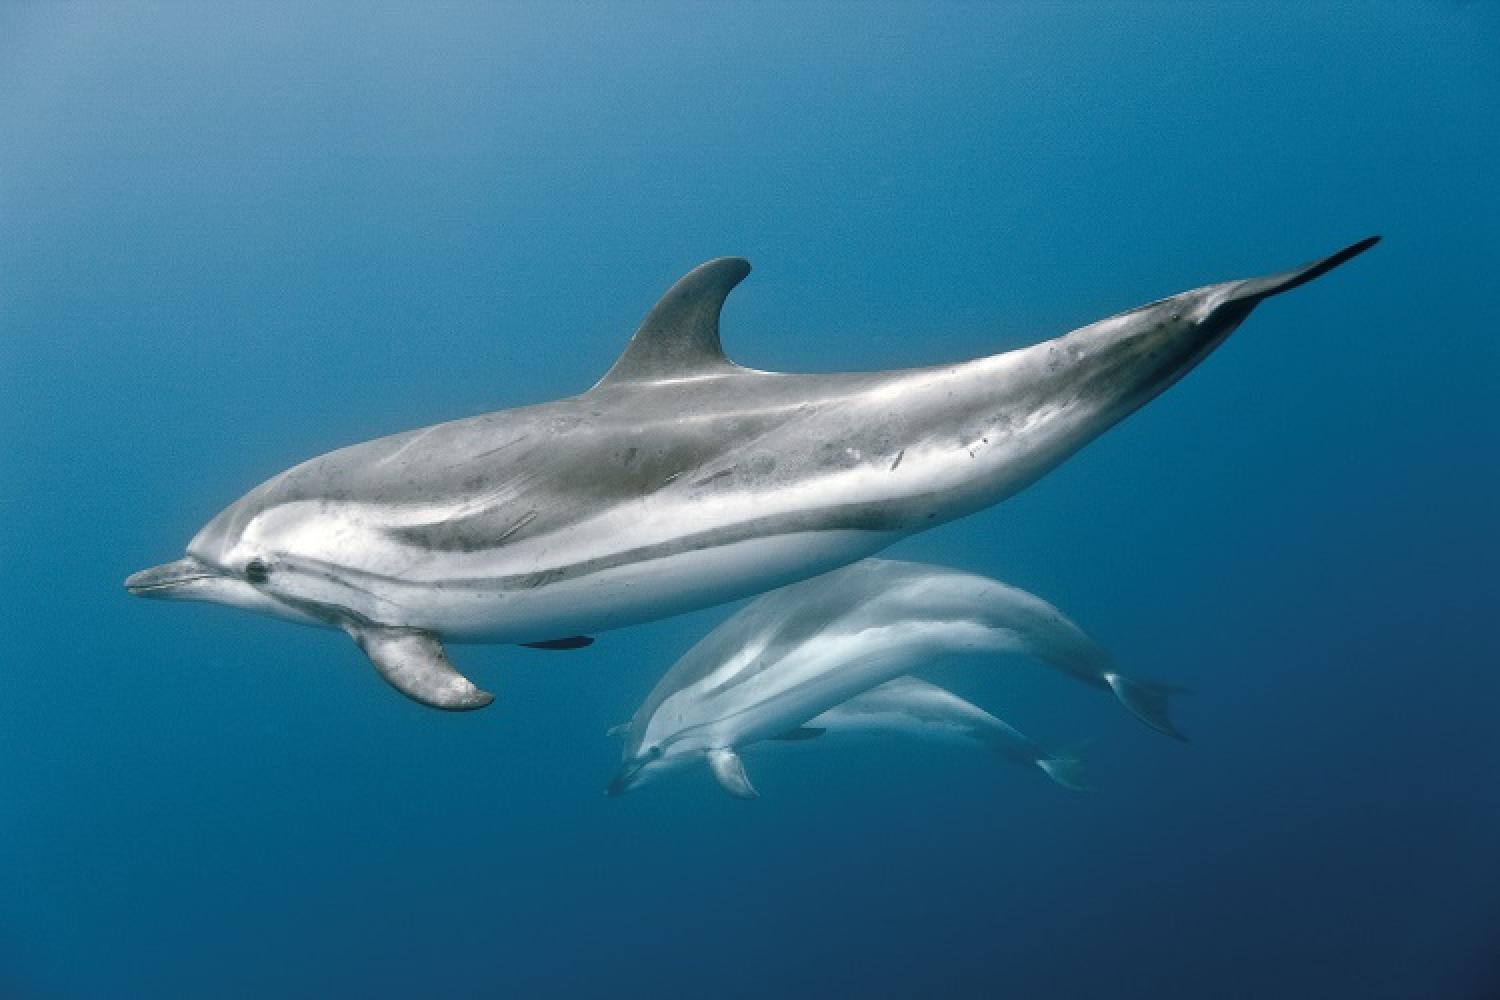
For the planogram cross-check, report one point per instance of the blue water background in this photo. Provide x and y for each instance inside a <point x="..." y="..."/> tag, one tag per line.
<point x="233" y="237"/>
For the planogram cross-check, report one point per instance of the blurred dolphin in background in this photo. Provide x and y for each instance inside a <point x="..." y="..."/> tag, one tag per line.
<point x="912" y="707"/>
<point x="798" y="652"/>
<point x="679" y="481"/>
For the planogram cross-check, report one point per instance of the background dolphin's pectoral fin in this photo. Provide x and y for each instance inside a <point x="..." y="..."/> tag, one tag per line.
<point x="571" y="642"/>
<point x="679" y="337"/>
<point x="801" y="733"/>
<point x="730" y="772"/>
<point x="414" y="663"/>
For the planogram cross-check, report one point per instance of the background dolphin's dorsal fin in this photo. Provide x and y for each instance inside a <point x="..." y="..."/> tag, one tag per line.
<point x="679" y="337"/>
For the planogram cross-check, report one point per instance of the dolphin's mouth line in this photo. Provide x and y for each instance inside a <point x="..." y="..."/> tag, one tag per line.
<point x="159" y="580"/>
<point x="139" y="589"/>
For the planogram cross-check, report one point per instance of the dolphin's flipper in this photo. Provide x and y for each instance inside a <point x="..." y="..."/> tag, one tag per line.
<point x="618" y="730"/>
<point x="679" y="338"/>
<point x="1147" y="701"/>
<point x="571" y="642"/>
<point x="413" y="662"/>
<point x="730" y="772"/>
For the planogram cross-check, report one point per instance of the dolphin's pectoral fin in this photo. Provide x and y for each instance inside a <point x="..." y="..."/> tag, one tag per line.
<point x="730" y="772"/>
<point x="800" y="733"/>
<point x="618" y="730"/>
<point x="413" y="662"/>
<point x="679" y="338"/>
<point x="571" y="642"/>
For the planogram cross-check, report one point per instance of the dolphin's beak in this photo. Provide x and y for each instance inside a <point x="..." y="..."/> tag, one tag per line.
<point x="166" y="579"/>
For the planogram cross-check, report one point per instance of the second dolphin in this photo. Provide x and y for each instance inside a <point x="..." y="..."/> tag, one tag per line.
<point x="801" y="651"/>
<point x="909" y="706"/>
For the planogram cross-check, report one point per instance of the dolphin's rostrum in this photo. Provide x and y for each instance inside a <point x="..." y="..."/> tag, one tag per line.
<point x="679" y="481"/>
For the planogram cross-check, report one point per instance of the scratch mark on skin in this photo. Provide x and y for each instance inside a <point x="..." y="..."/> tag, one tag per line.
<point x="705" y="480"/>
<point x="521" y="522"/>
<point x="899" y="456"/>
<point x="497" y="449"/>
<point x="416" y="438"/>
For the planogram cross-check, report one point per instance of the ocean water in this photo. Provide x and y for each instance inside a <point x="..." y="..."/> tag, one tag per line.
<point x="236" y="236"/>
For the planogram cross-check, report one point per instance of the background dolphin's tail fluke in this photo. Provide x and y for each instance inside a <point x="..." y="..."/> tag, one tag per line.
<point x="1066" y="768"/>
<point x="1147" y="701"/>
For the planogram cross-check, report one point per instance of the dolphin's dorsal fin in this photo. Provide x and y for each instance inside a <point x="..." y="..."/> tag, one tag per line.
<point x="679" y="338"/>
<point x="730" y="772"/>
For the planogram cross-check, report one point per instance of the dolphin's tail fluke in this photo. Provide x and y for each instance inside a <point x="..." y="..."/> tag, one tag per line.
<point x="1066" y="768"/>
<point x="1247" y="293"/>
<point x="1147" y="701"/>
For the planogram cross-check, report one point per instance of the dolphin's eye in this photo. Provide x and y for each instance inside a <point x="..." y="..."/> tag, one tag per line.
<point x="654" y="751"/>
<point x="257" y="571"/>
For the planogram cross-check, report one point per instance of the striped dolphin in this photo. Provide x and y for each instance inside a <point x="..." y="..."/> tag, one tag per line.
<point x="916" y="709"/>
<point x="788" y="657"/>
<point x="679" y="481"/>
<point x="912" y="707"/>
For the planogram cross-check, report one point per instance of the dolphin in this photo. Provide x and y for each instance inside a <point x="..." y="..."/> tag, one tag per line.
<point x="679" y="481"/>
<point x="793" y="654"/>
<point x="910" y="706"/>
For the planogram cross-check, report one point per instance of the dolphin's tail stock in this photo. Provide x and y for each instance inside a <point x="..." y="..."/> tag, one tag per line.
<point x="1147" y="701"/>
<point x="1066" y="768"/>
